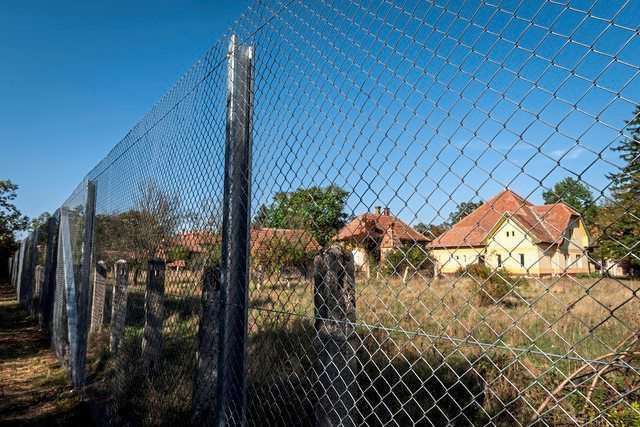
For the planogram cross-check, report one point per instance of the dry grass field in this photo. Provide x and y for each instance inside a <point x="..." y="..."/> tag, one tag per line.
<point x="427" y="350"/>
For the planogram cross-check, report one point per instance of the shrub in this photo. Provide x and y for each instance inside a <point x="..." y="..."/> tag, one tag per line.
<point x="491" y="285"/>
<point x="592" y="275"/>
<point x="413" y="257"/>
<point x="627" y="416"/>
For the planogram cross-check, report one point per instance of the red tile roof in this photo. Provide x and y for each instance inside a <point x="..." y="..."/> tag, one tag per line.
<point x="545" y="223"/>
<point x="369" y="225"/>
<point x="197" y="240"/>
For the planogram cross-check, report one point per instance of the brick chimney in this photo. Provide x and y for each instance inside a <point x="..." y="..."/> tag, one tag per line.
<point x="376" y="210"/>
<point x="386" y="212"/>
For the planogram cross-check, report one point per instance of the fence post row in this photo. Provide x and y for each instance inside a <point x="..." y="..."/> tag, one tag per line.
<point x="335" y="342"/>
<point x="49" y="283"/>
<point x="119" y="305"/>
<point x="235" y="236"/>
<point x="206" y="373"/>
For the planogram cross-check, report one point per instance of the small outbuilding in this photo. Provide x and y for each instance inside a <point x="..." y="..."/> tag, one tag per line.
<point x="372" y="235"/>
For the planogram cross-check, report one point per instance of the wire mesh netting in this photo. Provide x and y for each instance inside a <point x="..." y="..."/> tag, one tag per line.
<point x="443" y="223"/>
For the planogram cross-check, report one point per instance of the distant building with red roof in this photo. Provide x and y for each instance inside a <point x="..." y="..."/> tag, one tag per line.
<point x="507" y="231"/>
<point x="372" y="235"/>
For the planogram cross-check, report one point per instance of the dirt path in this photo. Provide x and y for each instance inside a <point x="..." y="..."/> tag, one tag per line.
<point x="33" y="386"/>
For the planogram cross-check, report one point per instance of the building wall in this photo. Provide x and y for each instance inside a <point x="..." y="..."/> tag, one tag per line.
<point x="450" y="260"/>
<point x="509" y="241"/>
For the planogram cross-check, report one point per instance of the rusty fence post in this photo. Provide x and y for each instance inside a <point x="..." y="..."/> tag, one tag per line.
<point x="152" y="339"/>
<point x="336" y="364"/>
<point x="119" y="305"/>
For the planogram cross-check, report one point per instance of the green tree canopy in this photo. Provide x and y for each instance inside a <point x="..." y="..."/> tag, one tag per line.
<point x="11" y="219"/>
<point x="463" y="209"/>
<point x="319" y="210"/>
<point x="575" y="194"/>
<point x="618" y="222"/>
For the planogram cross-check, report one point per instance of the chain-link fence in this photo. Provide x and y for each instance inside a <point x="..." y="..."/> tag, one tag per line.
<point x="367" y="213"/>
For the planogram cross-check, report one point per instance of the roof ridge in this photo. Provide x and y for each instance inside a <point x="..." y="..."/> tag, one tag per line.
<point x="541" y="221"/>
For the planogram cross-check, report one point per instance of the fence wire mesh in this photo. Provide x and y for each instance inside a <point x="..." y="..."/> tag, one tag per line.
<point x="442" y="223"/>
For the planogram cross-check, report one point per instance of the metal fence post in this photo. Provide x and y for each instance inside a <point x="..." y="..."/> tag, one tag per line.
<point x="97" y="302"/>
<point x="70" y="298"/>
<point x="119" y="305"/>
<point x="49" y="284"/>
<point x="59" y="319"/>
<point x="22" y="251"/>
<point x="152" y="339"/>
<point x="14" y="273"/>
<point x="31" y="270"/>
<point x="206" y="373"/>
<point x="231" y="406"/>
<point x="335" y="312"/>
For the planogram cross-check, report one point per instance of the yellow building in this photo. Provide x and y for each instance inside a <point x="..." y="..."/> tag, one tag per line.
<point x="525" y="239"/>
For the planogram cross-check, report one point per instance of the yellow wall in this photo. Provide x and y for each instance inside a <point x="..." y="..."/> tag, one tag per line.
<point x="509" y="241"/>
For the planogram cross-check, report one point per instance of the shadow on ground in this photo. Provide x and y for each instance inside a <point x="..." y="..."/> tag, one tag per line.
<point x="33" y="384"/>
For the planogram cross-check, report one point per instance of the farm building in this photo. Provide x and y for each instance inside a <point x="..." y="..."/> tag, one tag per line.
<point x="509" y="232"/>
<point x="371" y="236"/>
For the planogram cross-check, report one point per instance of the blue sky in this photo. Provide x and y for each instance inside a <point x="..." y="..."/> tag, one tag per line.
<point x="76" y="76"/>
<point x="413" y="105"/>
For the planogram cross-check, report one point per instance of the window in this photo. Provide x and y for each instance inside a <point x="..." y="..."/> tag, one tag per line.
<point x="521" y="260"/>
<point x="499" y="260"/>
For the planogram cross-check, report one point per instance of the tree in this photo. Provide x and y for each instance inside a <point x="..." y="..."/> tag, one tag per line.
<point x="11" y="221"/>
<point x="463" y="209"/>
<point x="277" y="254"/>
<point x="140" y="233"/>
<point x="619" y="223"/>
<point x="317" y="210"/>
<point x="40" y="221"/>
<point x="412" y="257"/>
<point x="575" y="194"/>
<point x="432" y="231"/>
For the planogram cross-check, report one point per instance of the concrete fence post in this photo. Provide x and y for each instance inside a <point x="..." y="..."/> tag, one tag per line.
<point x="335" y="343"/>
<point x="152" y="339"/>
<point x="206" y="373"/>
<point x="98" y="297"/>
<point x="119" y="305"/>
<point x="39" y="280"/>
